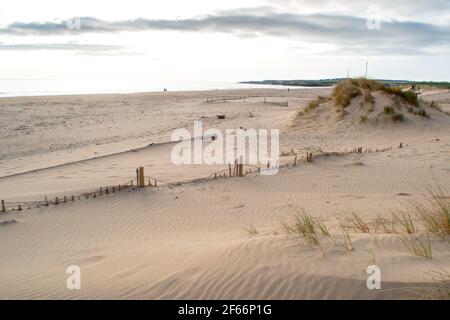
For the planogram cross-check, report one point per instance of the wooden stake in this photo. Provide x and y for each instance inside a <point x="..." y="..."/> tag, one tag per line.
<point x="295" y="161"/>
<point x="229" y="169"/>
<point x="3" y="206"/>
<point x="141" y="179"/>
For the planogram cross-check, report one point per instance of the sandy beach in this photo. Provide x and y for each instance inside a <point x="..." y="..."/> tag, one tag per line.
<point x="199" y="236"/>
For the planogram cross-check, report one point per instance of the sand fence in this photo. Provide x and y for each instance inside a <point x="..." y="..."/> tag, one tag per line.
<point x="238" y="169"/>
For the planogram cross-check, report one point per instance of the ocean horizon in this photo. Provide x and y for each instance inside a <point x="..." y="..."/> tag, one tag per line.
<point x="44" y="87"/>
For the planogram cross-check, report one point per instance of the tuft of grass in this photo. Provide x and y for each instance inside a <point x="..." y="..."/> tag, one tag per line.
<point x="308" y="229"/>
<point x="409" y="96"/>
<point x="396" y="116"/>
<point x="406" y="221"/>
<point x="359" y="223"/>
<point x="368" y="98"/>
<point x="314" y="104"/>
<point x="434" y="212"/>
<point x="419" y="112"/>
<point x="347" y="243"/>
<point x="252" y="231"/>
<point x="344" y="92"/>
<point x="389" y="111"/>
<point x="441" y="280"/>
<point x="418" y="245"/>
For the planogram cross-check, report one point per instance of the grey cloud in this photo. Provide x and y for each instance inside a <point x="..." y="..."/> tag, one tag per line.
<point x="344" y="31"/>
<point x="77" y="47"/>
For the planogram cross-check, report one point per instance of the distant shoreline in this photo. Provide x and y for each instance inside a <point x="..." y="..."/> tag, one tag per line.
<point x="334" y="81"/>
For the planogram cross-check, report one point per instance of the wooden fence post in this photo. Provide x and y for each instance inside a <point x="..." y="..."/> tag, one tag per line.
<point x="3" y="206"/>
<point x="295" y="161"/>
<point x="241" y="166"/>
<point x="141" y="183"/>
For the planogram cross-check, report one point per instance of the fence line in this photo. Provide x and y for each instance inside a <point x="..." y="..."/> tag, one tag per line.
<point x="237" y="170"/>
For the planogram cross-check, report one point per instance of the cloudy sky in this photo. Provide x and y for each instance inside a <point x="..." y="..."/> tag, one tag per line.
<point x="218" y="40"/>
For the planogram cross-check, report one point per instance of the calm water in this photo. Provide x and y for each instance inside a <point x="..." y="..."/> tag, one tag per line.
<point x="27" y="87"/>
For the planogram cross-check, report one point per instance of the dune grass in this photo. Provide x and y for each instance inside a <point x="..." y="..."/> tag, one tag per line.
<point x="405" y="220"/>
<point x="252" y="231"/>
<point x="314" y="104"/>
<point x="344" y="92"/>
<point x="441" y="280"/>
<point x="359" y="223"/>
<point x="434" y="212"/>
<point x="418" y="245"/>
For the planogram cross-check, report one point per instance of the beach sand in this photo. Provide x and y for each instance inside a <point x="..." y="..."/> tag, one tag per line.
<point x="192" y="238"/>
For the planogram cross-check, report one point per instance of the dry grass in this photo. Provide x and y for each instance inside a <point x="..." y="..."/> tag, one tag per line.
<point x="252" y="231"/>
<point x="441" y="280"/>
<point x="418" y="245"/>
<point x="408" y="96"/>
<point x="368" y="97"/>
<point x="406" y="221"/>
<point x="308" y="229"/>
<point x="314" y="104"/>
<point x="434" y="212"/>
<point x="359" y="223"/>
<point x="347" y="242"/>
<point x="344" y="92"/>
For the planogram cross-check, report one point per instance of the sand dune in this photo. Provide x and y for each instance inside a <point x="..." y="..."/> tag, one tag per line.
<point x="191" y="241"/>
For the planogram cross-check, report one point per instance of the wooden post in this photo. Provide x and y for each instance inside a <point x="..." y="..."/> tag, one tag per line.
<point x="295" y="161"/>
<point x="56" y="200"/>
<point x="241" y="167"/>
<point x="155" y="183"/>
<point x="19" y="208"/>
<point x="46" y="201"/>
<point x="401" y="145"/>
<point x="107" y="190"/>
<point x="149" y="183"/>
<point x="140" y="178"/>
<point x="3" y="206"/>
<point x="229" y="169"/>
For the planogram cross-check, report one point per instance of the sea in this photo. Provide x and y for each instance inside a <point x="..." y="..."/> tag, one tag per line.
<point x="43" y="87"/>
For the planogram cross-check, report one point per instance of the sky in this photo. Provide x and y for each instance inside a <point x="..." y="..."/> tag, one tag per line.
<point x="218" y="40"/>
